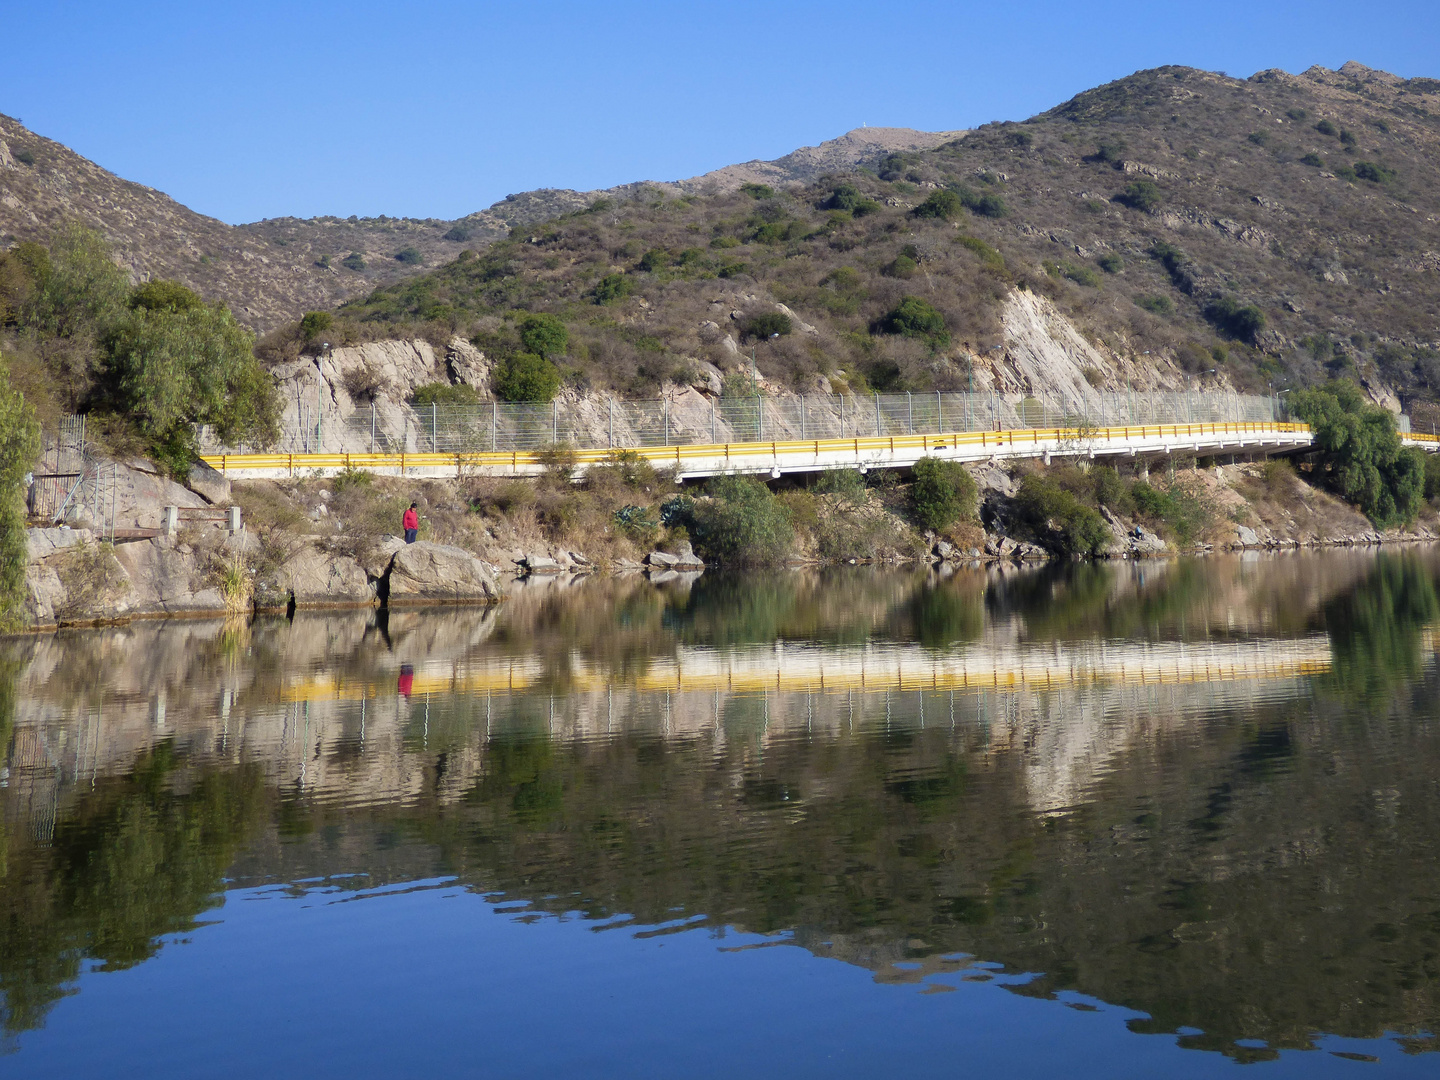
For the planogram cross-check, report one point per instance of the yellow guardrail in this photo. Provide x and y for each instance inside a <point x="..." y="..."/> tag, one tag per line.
<point x="861" y="448"/>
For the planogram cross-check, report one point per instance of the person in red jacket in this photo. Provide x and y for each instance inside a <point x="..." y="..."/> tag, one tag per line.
<point x="411" y="524"/>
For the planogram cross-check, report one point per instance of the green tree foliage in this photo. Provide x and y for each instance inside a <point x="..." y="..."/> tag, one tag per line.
<point x="766" y="324"/>
<point x="186" y="363"/>
<point x="79" y="287"/>
<point x="943" y="204"/>
<point x="1110" y="263"/>
<point x="943" y="492"/>
<point x="915" y="318"/>
<point x="612" y="288"/>
<point x="1060" y="519"/>
<point x="526" y="377"/>
<point x="354" y="261"/>
<point x="1142" y="195"/>
<point x="410" y="256"/>
<point x="19" y="447"/>
<point x="315" y="323"/>
<point x="741" y="523"/>
<point x="163" y="295"/>
<point x="544" y="335"/>
<point x="1363" y="460"/>
<point x="1325" y="127"/>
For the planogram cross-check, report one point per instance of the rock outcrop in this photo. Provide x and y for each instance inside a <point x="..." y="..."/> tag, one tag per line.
<point x="425" y="573"/>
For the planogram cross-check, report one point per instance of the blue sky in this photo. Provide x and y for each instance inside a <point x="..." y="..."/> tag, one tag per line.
<point x="263" y="109"/>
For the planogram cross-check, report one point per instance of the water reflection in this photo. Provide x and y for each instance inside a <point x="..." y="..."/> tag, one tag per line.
<point x="1201" y="790"/>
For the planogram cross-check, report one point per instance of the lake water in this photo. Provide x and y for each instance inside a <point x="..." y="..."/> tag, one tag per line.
<point x="1134" y="819"/>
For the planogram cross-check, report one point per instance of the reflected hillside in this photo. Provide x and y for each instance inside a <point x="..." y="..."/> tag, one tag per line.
<point x="1167" y="786"/>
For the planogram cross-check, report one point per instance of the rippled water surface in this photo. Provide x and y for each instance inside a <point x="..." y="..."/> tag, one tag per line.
<point x="1147" y="819"/>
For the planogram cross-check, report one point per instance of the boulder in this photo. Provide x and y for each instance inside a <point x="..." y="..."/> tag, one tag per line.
<point x="539" y="564"/>
<point x="209" y="484"/>
<point x="660" y="560"/>
<point x="944" y="549"/>
<point x="1246" y="537"/>
<point x="423" y="573"/>
<point x="375" y="561"/>
<point x="44" y="595"/>
<point x="686" y="559"/>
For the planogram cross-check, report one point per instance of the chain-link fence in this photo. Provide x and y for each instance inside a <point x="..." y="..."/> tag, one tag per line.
<point x="598" y="424"/>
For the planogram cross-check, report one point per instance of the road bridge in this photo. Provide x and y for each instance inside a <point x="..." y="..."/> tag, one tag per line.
<point x="776" y="458"/>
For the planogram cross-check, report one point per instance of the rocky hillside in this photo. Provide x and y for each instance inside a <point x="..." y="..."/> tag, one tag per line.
<point x="273" y="271"/>
<point x="1266" y="231"/>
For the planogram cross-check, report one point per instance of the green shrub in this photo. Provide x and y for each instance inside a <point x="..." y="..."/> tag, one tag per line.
<point x="1315" y="161"/>
<point x="1362" y="458"/>
<point x="526" y="377"/>
<point x="1156" y="305"/>
<point x="315" y="323"/>
<point x="849" y="483"/>
<point x="652" y="260"/>
<point x="458" y="234"/>
<point x="902" y="267"/>
<point x="162" y="295"/>
<point x="1374" y="172"/>
<point x="739" y="385"/>
<point x="988" y="255"/>
<point x="1432" y="476"/>
<point x="741" y="523"/>
<point x="1325" y="127"/>
<point x="1110" y="152"/>
<point x="25" y="157"/>
<point x="1142" y="195"/>
<point x="1110" y="490"/>
<point x="943" y="492"/>
<point x="626" y="468"/>
<point x="1059" y="519"/>
<point x="943" y="204"/>
<point x="354" y="261"/>
<point x="1180" y="510"/>
<point x="1347" y="138"/>
<point x="1110" y="263"/>
<point x="1081" y="275"/>
<point x="1241" y="321"/>
<point x="757" y="191"/>
<point x="612" y="288"/>
<point x="410" y="256"/>
<point x="764" y="325"/>
<point x="1259" y="138"/>
<point x="915" y="318"/>
<point x="544" y="335"/>
<point x="441" y="393"/>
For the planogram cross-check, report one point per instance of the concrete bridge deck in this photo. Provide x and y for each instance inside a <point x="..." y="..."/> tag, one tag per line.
<point x="800" y="456"/>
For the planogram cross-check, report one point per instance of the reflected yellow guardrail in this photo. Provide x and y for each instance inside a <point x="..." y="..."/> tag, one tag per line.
<point x="860" y="450"/>
<point x="867" y="670"/>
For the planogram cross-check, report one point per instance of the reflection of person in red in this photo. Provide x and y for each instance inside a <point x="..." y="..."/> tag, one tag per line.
<point x="407" y="680"/>
<point x="411" y="524"/>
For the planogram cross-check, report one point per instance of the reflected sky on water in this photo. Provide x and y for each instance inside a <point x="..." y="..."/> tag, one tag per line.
<point x="1115" y="819"/>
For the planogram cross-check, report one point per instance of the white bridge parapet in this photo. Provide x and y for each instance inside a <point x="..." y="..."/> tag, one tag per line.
<point x="811" y="455"/>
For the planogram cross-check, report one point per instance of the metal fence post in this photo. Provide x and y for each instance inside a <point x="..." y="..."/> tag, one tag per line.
<point x="372" y="427"/>
<point x="759" y="419"/>
<point x="555" y="422"/>
<point x="434" y="428"/>
<point x="665" y="408"/>
<point x="612" y="423"/>
<point x="802" y="418"/>
<point x="939" y="414"/>
<point x="877" y="416"/>
<point x="842" y="414"/>
<point x="910" y="411"/>
<point x="713" y="438"/>
<point x="494" y="426"/>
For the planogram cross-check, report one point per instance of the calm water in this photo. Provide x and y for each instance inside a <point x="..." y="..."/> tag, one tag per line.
<point x="1125" y="820"/>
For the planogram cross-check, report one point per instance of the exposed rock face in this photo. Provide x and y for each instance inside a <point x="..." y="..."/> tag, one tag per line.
<point x="684" y="559"/>
<point x="436" y="573"/>
<point x="316" y="578"/>
<point x="164" y="581"/>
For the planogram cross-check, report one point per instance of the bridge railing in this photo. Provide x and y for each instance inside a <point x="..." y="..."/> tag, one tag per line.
<point x="597" y="424"/>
